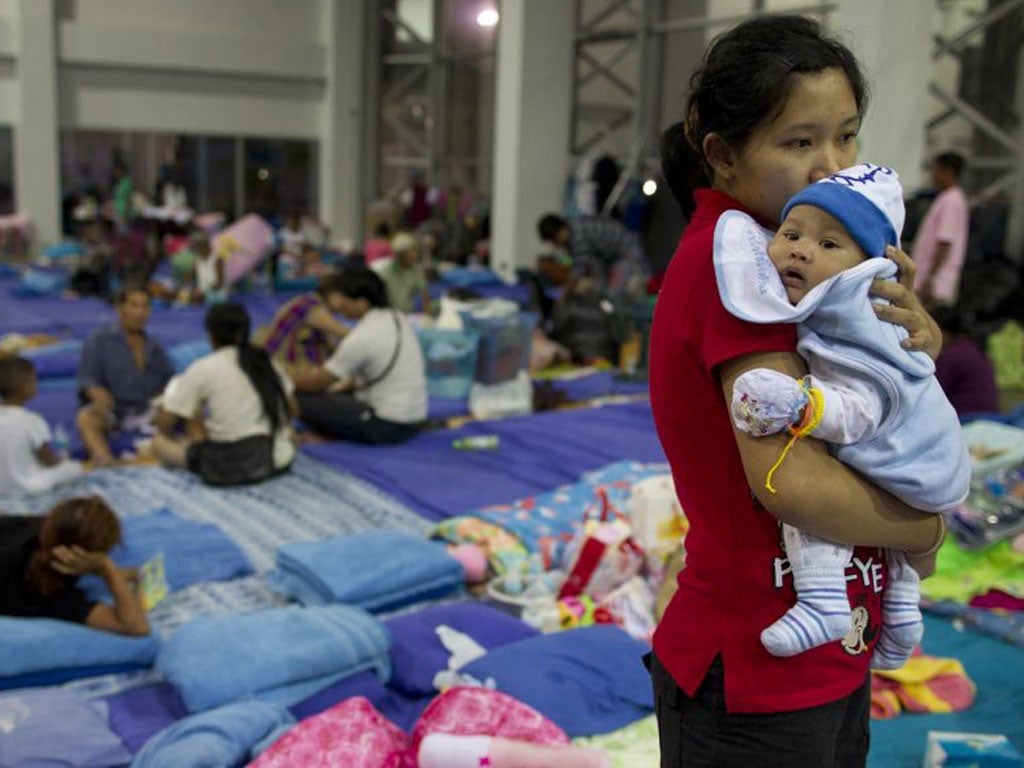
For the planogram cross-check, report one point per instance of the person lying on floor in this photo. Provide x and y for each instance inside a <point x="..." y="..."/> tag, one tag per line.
<point x="373" y="389"/>
<point x="245" y="435"/>
<point x="41" y="559"/>
<point x="122" y="369"/>
<point x="28" y="463"/>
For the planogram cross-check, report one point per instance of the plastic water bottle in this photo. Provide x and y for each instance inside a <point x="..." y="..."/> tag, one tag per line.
<point x="477" y="443"/>
<point x="61" y="442"/>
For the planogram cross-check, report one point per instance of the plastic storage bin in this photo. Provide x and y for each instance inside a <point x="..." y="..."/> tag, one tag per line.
<point x="505" y="343"/>
<point x="993" y="446"/>
<point x="450" y="358"/>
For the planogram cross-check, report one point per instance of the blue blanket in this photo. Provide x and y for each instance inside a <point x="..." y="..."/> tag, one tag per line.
<point x="38" y="645"/>
<point x="222" y="738"/>
<point x="51" y="727"/>
<point x="537" y="453"/>
<point x="417" y="653"/>
<point x="587" y="681"/>
<point x="54" y="361"/>
<point x="376" y="570"/>
<point x="193" y="552"/>
<point x="216" y="660"/>
<point x="996" y="669"/>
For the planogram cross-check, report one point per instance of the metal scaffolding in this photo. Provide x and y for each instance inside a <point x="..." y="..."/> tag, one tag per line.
<point x="998" y="127"/>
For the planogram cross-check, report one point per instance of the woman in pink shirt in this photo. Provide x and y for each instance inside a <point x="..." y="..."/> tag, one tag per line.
<point x="941" y="242"/>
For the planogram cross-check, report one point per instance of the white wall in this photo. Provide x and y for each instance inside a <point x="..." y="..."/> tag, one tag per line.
<point x="259" y="68"/>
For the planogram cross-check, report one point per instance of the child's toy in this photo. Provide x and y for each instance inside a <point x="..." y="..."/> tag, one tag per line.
<point x="473" y="560"/>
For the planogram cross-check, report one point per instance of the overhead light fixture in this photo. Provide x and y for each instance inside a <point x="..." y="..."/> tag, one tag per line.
<point x="263" y="174"/>
<point x="650" y="187"/>
<point x="487" y="18"/>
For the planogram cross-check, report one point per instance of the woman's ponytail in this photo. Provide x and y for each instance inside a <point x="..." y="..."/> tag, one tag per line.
<point x="228" y="326"/>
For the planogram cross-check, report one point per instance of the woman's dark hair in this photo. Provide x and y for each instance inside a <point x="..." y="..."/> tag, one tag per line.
<point x="228" y="326"/>
<point x="383" y="230"/>
<point x="361" y="283"/>
<point x="86" y="522"/>
<point x="745" y="80"/>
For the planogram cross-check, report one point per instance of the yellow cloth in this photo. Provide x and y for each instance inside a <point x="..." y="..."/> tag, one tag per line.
<point x="961" y="575"/>
<point x="1006" y="351"/>
<point x="635" y="746"/>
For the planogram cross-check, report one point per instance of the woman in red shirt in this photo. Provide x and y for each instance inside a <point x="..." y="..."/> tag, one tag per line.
<point x="775" y="106"/>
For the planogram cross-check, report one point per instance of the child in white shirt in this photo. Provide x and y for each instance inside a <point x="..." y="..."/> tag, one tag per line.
<point x="27" y="462"/>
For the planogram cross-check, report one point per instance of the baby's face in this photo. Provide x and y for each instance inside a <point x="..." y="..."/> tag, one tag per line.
<point x="809" y="247"/>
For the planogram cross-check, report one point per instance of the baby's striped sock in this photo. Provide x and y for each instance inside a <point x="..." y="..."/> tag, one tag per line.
<point x="902" y="626"/>
<point x="821" y="614"/>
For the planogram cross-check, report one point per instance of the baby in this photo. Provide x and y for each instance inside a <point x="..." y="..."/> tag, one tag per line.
<point x="879" y="406"/>
<point x="27" y="462"/>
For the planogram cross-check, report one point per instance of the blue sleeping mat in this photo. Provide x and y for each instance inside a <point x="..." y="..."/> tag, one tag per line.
<point x="996" y="667"/>
<point x="537" y="453"/>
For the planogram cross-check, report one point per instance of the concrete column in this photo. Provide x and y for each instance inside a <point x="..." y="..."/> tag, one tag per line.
<point x="342" y="160"/>
<point x="893" y="43"/>
<point x="533" y="107"/>
<point x="36" y="160"/>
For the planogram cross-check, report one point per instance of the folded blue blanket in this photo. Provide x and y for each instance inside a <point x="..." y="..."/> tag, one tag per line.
<point x="587" y="681"/>
<point x="221" y="738"/>
<point x="215" y="660"/>
<point x="36" y="645"/>
<point x="376" y="570"/>
<point x="193" y="552"/>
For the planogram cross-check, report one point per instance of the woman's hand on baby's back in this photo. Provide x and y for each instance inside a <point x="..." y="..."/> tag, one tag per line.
<point x="905" y="308"/>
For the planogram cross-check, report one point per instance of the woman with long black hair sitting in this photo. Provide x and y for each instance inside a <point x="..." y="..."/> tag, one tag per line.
<point x="236" y="406"/>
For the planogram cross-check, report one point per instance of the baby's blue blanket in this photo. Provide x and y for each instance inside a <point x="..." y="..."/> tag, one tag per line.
<point x="216" y="660"/>
<point x="918" y="452"/>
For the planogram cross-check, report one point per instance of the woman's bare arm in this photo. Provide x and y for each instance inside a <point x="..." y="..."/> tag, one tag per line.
<point x="816" y="492"/>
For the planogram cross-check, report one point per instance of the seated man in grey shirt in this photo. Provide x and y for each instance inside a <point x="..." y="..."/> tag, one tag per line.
<point x="122" y="369"/>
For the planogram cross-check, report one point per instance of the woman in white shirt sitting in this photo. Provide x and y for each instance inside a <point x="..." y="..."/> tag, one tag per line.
<point x="373" y="389"/>
<point x="236" y="405"/>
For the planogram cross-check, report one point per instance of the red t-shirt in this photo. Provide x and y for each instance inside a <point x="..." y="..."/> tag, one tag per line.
<point x="736" y="580"/>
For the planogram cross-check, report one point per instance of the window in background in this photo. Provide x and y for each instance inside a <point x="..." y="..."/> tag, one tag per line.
<point x="280" y="177"/>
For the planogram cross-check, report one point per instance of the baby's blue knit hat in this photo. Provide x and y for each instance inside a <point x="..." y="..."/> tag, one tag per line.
<point x="866" y="199"/>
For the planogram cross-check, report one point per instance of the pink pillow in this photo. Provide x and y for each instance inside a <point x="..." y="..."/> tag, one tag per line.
<point x="353" y="734"/>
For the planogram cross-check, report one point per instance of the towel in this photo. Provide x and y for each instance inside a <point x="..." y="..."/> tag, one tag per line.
<point x="918" y="452"/>
<point x="924" y="684"/>
<point x="281" y="654"/>
<point x="221" y="738"/>
<point x="43" y="645"/>
<point x="193" y="552"/>
<point x="376" y="570"/>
